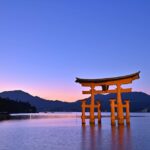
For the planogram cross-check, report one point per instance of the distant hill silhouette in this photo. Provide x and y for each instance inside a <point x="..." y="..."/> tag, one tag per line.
<point x="41" y="104"/>
<point x="139" y="101"/>
<point x="9" y="106"/>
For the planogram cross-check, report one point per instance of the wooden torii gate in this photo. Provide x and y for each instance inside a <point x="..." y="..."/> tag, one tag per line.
<point x="115" y="104"/>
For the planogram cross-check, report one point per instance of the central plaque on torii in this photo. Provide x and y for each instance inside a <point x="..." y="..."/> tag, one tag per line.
<point x="115" y="104"/>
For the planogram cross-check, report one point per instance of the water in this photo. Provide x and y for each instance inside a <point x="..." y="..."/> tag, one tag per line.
<point x="66" y="133"/>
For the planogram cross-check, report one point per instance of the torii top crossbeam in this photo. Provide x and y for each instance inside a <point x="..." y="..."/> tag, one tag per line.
<point x="127" y="78"/>
<point x="105" y="82"/>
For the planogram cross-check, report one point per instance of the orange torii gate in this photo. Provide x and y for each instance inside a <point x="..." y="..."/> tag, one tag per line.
<point x="115" y="104"/>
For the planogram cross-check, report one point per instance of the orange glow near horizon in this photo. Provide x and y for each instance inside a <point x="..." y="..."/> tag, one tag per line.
<point x="50" y="93"/>
<point x="68" y="93"/>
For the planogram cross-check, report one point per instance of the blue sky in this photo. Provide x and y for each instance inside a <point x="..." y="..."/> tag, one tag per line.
<point x="45" y="44"/>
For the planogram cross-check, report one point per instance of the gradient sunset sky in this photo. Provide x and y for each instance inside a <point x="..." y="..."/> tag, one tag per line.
<point x="45" y="44"/>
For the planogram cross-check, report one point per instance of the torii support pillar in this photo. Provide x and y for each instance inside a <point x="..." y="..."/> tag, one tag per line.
<point x="99" y="112"/>
<point x="127" y="112"/>
<point x="83" y="112"/>
<point x="112" y="106"/>
<point x="114" y="117"/>
<point x="89" y="106"/>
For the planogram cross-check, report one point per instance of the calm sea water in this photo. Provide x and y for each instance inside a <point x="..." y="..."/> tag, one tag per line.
<point x="64" y="132"/>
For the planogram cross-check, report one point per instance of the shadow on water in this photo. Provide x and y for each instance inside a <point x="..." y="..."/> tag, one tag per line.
<point x="98" y="137"/>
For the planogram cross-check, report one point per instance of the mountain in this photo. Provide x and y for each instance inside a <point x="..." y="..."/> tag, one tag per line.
<point x="139" y="101"/>
<point x="10" y="106"/>
<point x="42" y="105"/>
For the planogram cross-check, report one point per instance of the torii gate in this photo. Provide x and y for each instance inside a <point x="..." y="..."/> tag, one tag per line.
<point x="114" y="104"/>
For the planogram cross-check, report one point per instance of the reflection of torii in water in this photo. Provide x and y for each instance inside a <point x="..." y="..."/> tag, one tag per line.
<point x="105" y="83"/>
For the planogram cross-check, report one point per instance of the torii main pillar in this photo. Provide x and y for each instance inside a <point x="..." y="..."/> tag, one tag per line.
<point x="114" y="104"/>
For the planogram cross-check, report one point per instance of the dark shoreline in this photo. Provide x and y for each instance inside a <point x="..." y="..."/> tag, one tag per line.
<point x="4" y="116"/>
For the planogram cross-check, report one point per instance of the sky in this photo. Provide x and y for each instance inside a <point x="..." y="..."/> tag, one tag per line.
<point x="46" y="44"/>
